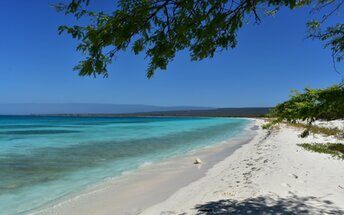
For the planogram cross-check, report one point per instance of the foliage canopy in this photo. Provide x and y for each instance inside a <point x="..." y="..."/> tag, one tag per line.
<point x="161" y="28"/>
<point x="312" y="104"/>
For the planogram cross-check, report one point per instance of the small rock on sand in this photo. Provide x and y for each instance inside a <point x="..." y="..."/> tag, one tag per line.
<point x="197" y="161"/>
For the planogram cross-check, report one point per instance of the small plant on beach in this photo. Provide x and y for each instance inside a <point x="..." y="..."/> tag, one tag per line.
<point x="334" y="149"/>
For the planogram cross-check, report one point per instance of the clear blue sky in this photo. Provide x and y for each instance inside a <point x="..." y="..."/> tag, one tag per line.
<point x="271" y="59"/>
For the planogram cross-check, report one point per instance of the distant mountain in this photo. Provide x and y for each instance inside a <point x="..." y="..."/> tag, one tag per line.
<point x="214" y="112"/>
<point x="86" y="108"/>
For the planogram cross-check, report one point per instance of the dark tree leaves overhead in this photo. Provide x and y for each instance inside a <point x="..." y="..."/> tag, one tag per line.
<point x="161" y="28"/>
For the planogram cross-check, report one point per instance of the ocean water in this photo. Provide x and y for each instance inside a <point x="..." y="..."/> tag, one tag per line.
<point x="46" y="158"/>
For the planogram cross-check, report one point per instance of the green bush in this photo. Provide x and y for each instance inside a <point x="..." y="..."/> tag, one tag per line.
<point x="312" y="104"/>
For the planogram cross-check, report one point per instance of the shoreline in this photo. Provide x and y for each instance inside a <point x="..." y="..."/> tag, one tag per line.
<point x="156" y="181"/>
<point x="269" y="175"/>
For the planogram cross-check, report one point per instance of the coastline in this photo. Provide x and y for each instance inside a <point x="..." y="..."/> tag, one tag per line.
<point x="269" y="175"/>
<point x="149" y="185"/>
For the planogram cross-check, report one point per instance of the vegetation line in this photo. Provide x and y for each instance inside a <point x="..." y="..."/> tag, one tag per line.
<point x="334" y="149"/>
<point x="318" y="130"/>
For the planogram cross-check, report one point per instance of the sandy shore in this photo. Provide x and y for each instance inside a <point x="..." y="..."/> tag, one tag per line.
<point x="266" y="173"/>
<point x="270" y="175"/>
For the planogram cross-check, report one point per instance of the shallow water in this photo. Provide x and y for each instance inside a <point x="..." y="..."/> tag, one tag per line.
<point x="45" y="158"/>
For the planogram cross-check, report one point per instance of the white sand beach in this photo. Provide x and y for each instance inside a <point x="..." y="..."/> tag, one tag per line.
<point x="269" y="174"/>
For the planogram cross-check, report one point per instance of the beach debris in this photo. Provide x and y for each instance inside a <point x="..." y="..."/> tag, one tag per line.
<point x="198" y="161"/>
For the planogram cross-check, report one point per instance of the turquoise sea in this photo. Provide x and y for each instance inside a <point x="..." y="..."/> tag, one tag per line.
<point x="46" y="158"/>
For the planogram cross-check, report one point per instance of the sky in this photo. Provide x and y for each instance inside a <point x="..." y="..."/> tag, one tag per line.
<point x="270" y="59"/>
